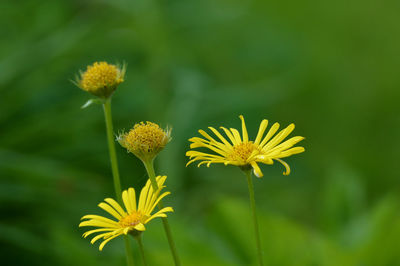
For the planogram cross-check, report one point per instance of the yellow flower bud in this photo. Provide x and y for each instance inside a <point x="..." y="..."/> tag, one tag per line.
<point x="145" y="140"/>
<point x="101" y="79"/>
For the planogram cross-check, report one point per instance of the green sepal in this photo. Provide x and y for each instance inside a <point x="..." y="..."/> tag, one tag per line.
<point x="92" y="101"/>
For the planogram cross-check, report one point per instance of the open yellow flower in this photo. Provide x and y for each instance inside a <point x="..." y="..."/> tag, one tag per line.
<point x="129" y="220"/>
<point x="242" y="152"/>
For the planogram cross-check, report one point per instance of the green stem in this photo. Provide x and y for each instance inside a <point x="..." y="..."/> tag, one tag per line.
<point x="253" y="210"/>
<point x="128" y="252"/>
<point x="152" y="176"/>
<point x="140" y="243"/>
<point x="114" y="168"/>
<point x="111" y="148"/>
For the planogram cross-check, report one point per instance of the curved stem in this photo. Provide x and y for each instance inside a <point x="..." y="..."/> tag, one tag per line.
<point x="152" y="176"/>
<point x="140" y="243"/>
<point x="253" y="210"/>
<point x="114" y="169"/>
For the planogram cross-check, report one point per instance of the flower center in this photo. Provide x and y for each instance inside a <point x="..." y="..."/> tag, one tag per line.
<point x="146" y="138"/>
<point x="99" y="75"/>
<point x="131" y="220"/>
<point x="242" y="151"/>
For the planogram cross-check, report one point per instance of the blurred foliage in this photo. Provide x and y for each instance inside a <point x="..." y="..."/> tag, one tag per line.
<point x="332" y="68"/>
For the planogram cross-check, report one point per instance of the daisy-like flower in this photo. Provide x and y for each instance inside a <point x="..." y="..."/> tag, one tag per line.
<point x="145" y="140"/>
<point x="242" y="152"/>
<point x="132" y="219"/>
<point x="101" y="79"/>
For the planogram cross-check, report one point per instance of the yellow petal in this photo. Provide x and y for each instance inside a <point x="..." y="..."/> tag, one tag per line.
<point x="224" y="150"/>
<point x="161" y="180"/>
<point x="287" y="144"/>
<point x="110" y="210"/>
<point x="86" y="234"/>
<point x="116" y="206"/>
<point x="132" y="198"/>
<point x="159" y="215"/>
<point x="94" y="239"/>
<point x="244" y="129"/>
<point x="199" y="142"/>
<point x="209" y="159"/>
<point x="270" y="133"/>
<point x="140" y="227"/>
<point x="264" y="159"/>
<point x="287" y="168"/>
<point x="230" y="136"/>
<point x="152" y="198"/>
<point x="99" y="218"/>
<point x="279" y="137"/>
<point x="150" y="195"/>
<point x="291" y="152"/>
<point x="236" y="135"/>
<point x="256" y="169"/>
<point x="204" y="134"/>
<point x="149" y="210"/>
<point x="192" y="154"/>
<point x="106" y="241"/>
<point x="143" y="195"/>
<point x="220" y="137"/>
<point x="206" y="162"/>
<point x="127" y="202"/>
<point x="261" y="131"/>
<point x="96" y="223"/>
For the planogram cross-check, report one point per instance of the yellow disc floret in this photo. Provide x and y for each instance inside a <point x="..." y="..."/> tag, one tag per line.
<point x="145" y="140"/>
<point x="101" y="79"/>
<point x="132" y="219"/>
<point x="242" y="152"/>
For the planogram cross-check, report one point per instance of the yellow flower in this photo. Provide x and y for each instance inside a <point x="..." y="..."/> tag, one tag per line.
<point x="101" y="79"/>
<point x="132" y="219"/>
<point x="145" y="140"/>
<point x="242" y="152"/>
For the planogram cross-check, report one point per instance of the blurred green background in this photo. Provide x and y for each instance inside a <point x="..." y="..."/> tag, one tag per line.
<point x="331" y="67"/>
